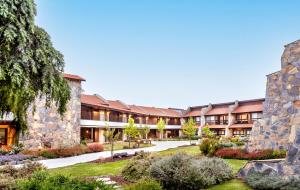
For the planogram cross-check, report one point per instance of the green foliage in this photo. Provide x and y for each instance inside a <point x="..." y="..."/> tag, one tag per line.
<point x="9" y="174"/>
<point x="261" y="181"/>
<point x="30" y="66"/>
<point x="145" y="184"/>
<point x="189" y="128"/>
<point x="137" y="167"/>
<point x="161" y="125"/>
<point x="49" y="154"/>
<point x="207" y="132"/>
<point x="42" y="180"/>
<point x="131" y="130"/>
<point x="111" y="136"/>
<point x="181" y="171"/>
<point x="144" y="131"/>
<point x="209" y="146"/>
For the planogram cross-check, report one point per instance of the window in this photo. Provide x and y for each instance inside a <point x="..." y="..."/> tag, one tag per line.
<point x="238" y="132"/>
<point x="210" y="120"/>
<point x="242" y="118"/>
<point x="198" y="119"/>
<point x="3" y="136"/>
<point x="256" y="116"/>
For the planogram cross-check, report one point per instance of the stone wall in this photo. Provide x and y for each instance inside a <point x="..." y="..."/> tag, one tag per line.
<point x="280" y="126"/>
<point x="282" y="105"/>
<point x="48" y="129"/>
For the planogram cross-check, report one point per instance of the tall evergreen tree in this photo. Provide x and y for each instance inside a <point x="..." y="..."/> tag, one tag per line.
<point x="30" y="67"/>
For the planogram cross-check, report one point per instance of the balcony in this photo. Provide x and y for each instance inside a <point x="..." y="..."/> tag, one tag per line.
<point x="217" y="122"/>
<point x="243" y="121"/>
<point x="103" y="124"/>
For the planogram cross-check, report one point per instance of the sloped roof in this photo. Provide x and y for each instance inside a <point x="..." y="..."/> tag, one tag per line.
<point x="193" y="113"/>
<point x="218" y="110"/>
<point x="73" y="77"/>
<point x="93" y="100"/>
<point x="251" y="107"/>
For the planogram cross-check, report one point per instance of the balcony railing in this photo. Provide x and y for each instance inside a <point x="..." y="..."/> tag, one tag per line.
<point x="217" y="122"/>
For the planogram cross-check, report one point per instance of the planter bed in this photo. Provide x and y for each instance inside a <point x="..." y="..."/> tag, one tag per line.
<point x="16" y="159"/>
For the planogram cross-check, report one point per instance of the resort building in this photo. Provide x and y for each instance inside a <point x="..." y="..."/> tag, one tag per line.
<point x="88" y="116"/>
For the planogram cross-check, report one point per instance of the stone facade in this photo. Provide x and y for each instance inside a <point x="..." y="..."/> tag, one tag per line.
<point x="280" y="126"/>
<point x="48" y="129"/>
<point x="281" y="115"/>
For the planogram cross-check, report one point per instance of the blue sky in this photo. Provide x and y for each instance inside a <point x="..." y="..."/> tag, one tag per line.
<point x="171" y="53"/>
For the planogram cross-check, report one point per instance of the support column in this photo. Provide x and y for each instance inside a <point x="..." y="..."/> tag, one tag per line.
<point x="231" y="119"/>
<point x="102" y="116"/>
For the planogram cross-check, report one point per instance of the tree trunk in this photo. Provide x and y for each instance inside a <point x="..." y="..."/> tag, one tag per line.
<point x="129" y="141"/>
<point x="112" y="150"/>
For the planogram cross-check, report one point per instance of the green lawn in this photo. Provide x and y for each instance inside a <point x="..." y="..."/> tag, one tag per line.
<point x="92" y="169"/>
<point x="120" y="145"/>
<point x="115" y="168"/>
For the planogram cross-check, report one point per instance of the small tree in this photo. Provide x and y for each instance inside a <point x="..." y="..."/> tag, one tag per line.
<point x="161" y="125"/>
<point x="189" y="129"/>
<point x="131" y="130"/>
<point x="207" y="132"/>
<point x="144" y="131"/>
<point x="111" y="136"/>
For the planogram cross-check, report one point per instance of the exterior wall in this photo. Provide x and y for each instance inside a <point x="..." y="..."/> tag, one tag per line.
<point x="48" y="129"/>
<point x="281" y="117"/>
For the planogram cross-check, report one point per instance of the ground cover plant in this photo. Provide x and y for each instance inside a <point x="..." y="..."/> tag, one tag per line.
<point x="271" y="181"/>
<point x="9" y="175"/>
<point x="231" y="153"/>
<point x="66" y="152"/>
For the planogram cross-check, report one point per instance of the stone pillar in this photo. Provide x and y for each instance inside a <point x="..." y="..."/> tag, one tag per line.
<point x="231" y="119"/>
<point x="203" y="121"/>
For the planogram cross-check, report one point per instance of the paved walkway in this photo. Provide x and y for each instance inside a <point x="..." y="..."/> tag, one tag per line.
<point x="62" y="162"/>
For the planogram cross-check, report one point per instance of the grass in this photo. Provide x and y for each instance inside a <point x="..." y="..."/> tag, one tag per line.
<point x="115" y="168"/>
<point x="120" y="145"/>
<point x="92" y="169"/>
<point x="192" y="150"/>
<point x="230" y="185"/>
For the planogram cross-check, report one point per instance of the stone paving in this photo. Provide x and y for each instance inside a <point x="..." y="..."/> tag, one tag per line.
<point x="62" y="162"/>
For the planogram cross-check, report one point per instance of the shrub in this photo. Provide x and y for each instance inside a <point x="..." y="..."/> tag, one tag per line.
<point x="48" y="154"/>
<point x="230" y="153"/>
<point x="145" y="184"/>
<point x="9" y="174"/>
<point x="261" y="181"/>
<point x="138" y="167"/>
<point x="43" y="180"/>
<point x="95" y="147"/>
<point x="69" y="151"/>
<point x="209" y="146"/>
<point x="181" y="171"/>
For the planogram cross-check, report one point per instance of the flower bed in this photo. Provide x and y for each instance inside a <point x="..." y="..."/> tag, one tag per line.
<point x="231" y="153"/>
<point x="15" y="159"/>
<point x="66" y="152"/>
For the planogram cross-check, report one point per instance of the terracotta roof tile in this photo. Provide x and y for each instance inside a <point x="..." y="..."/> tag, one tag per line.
<point x="193" y="113"/>
<point x="118" y="105"/>
<point x="254" y="107"/>
<point x="94" y="100"/>
<point x="218" y="110"/>
<point x="73" y="77"/>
